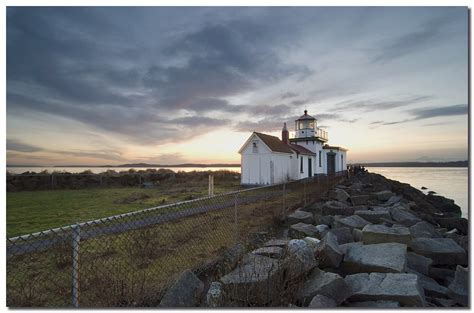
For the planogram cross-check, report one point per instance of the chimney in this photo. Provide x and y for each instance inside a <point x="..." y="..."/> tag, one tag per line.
<point x="285" y="136"/>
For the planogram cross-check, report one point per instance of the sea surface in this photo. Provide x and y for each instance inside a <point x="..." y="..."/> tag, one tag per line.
<point x="449" y="182"/>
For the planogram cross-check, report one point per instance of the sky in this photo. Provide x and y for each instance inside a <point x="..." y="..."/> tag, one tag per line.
<point x="169" y="85"/>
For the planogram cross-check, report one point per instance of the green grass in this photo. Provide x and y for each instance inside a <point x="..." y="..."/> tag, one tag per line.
<point x="32" y="211"/>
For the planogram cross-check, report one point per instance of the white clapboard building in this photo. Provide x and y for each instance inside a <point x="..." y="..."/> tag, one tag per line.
<point x="268" y="159"/>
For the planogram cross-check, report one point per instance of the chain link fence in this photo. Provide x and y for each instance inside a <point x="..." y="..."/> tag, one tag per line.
<point x="130" y="259"/>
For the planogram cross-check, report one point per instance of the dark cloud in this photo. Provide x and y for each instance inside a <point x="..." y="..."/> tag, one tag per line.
<point x="18" y="146"/>
<point x="378" y="104"/>
<point x="298" y="102"/>
<point x="426" y="113"/>
<point x="428" y="34"/>
<point x="287" y="95"/>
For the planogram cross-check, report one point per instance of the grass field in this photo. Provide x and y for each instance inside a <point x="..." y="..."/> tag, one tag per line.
<point x="32" y="211"/>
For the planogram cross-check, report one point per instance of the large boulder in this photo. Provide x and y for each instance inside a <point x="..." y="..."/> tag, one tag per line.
<point x="272" y="252"/>
<point x="381" y="233"/>
<point x="323" y="283"/>
<point x="339" y="195"/>
<point x="384" y="195"/>
<point x="300" y="258"/>
<point x="401" y="215"/>
<point x="323" y="219"/>
<point x="256" y="280"/>
<point x="346" y="246"/>
<point x="419" y="263"/>
<point x="381" y="304"/>
<point x="313" y="242"/>
<point x="300" y="216"/>
<point x="376" y="217"/>
<point x="393" y="200"/>
<point x="382" y="257"/>
<point x="277" y="243"/>
<point x="458" y="290"/>
<point x="460" y="223"/>
<point x="343" y="235"/>
<point x="336" y="208"/>
<point x="352" y="222"/>
<point x="215" y="296"/>
<point x="440" y="250"/>
<point x="322" y="302"/>
<point x="301" y="230"/>
<point x="400" y="287"/>
<point x="430" y="286"/>
<point x="185" y="292"/>
<point x="424" y="230"/>
<point x="328" y="253"/>
<point x="360" y="199"/>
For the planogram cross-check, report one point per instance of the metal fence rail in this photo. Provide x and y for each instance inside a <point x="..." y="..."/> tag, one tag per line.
<point x="129" y="259"/>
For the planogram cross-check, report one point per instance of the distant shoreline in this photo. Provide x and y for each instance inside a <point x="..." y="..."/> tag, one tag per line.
<point x="415" y="164"/>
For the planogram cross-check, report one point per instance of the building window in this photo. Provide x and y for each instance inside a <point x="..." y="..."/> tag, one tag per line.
<point x="301" y="165"/>
<point x="320" y="164"/>
<point x="255" y="148"/>
<point x="342" y="162"/>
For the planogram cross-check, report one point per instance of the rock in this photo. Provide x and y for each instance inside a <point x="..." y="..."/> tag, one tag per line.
<point x="277" y="243"/>
<point x="423" y="188"/>
<point x="447" y="303"/>
<point x="328" y="253"/>
<point x="382" y="304"/>
<point x="459" y="223"/>
<point x="272" y="252"/>
<point x="393" y="200"/>
<point x="443" y="204"/>
<point x="300" y="258"/>
<point x="424" y="230"/>
<point x="382" y="257"/>
<point x="256" y="280"/>
<point x="343" y="234"/>
<point x="360" y="200"/>
<point x="323" y="219"/>
<point x="300" y="216"/>
<point x="336" y="208"/>
<point x="402" y="216"/>
<point x="346" y="246"/>
<point x="339" y="195"/>
<point x="375" y="217"/>
<point x="381" y="233"/>
<point x="352" y="222"/>
<point x="302" y="230"/>
<point x="440" y="250"/>
<point x="384" y="195"/>
<point x="440" y="273"/>
<point x="234" y="254"/>
<point x="215" y="295"/>
<point x="313" y="242"/>
<point x="322" y="302"/>
<point x="323" y="283"/>
<point x="458" y="290"/>
<point x="461" y="240"/>
<point x="419" y="263"/>
<point x="400" y="287"/>
<point x="357" y="234"/>
<point x="185" y="292"/>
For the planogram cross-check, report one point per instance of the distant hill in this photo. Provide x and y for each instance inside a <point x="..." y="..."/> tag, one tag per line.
<point x="416" y="164"/>
<point x="156" y="165"/>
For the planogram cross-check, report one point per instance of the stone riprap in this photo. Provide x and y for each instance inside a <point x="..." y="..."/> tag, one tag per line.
<point x="369" y="243"/>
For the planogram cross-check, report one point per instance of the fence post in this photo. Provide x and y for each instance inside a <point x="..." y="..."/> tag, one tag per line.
<point x="211" y="185"/>
<point x="52" y="181"/>
<point x="236" y="220"/>
<point x="76" y="238"/>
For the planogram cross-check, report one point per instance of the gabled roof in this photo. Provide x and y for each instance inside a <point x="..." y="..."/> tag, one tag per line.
<point x="274" y="143"/>
<point x="301" y="149"/>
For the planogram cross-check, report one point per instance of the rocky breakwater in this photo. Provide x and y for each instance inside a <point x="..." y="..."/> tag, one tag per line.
<point x="372" y="242"/>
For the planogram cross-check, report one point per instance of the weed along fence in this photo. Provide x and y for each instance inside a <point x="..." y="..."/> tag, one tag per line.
<point x="130" y="259"/>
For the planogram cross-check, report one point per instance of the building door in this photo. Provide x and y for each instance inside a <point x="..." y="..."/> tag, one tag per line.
<point x="310" y="167"/>
<point x="272" y="174"/>
<point x="331" y="157"/>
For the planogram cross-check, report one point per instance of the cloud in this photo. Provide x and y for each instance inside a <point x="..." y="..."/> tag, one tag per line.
<point x="18" y="146"/>
<point x="370" y="105"/>
<point x="427" y="113"/>
<point x="428" y="35"/>
<point x="288" y="94"/>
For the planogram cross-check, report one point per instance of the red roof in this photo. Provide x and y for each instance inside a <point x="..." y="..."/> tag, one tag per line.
<point x="276" y="145"/>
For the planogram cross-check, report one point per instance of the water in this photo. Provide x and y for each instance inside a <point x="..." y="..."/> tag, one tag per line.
<point x="449" y="182"/>
<point x="19" y="170"/>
